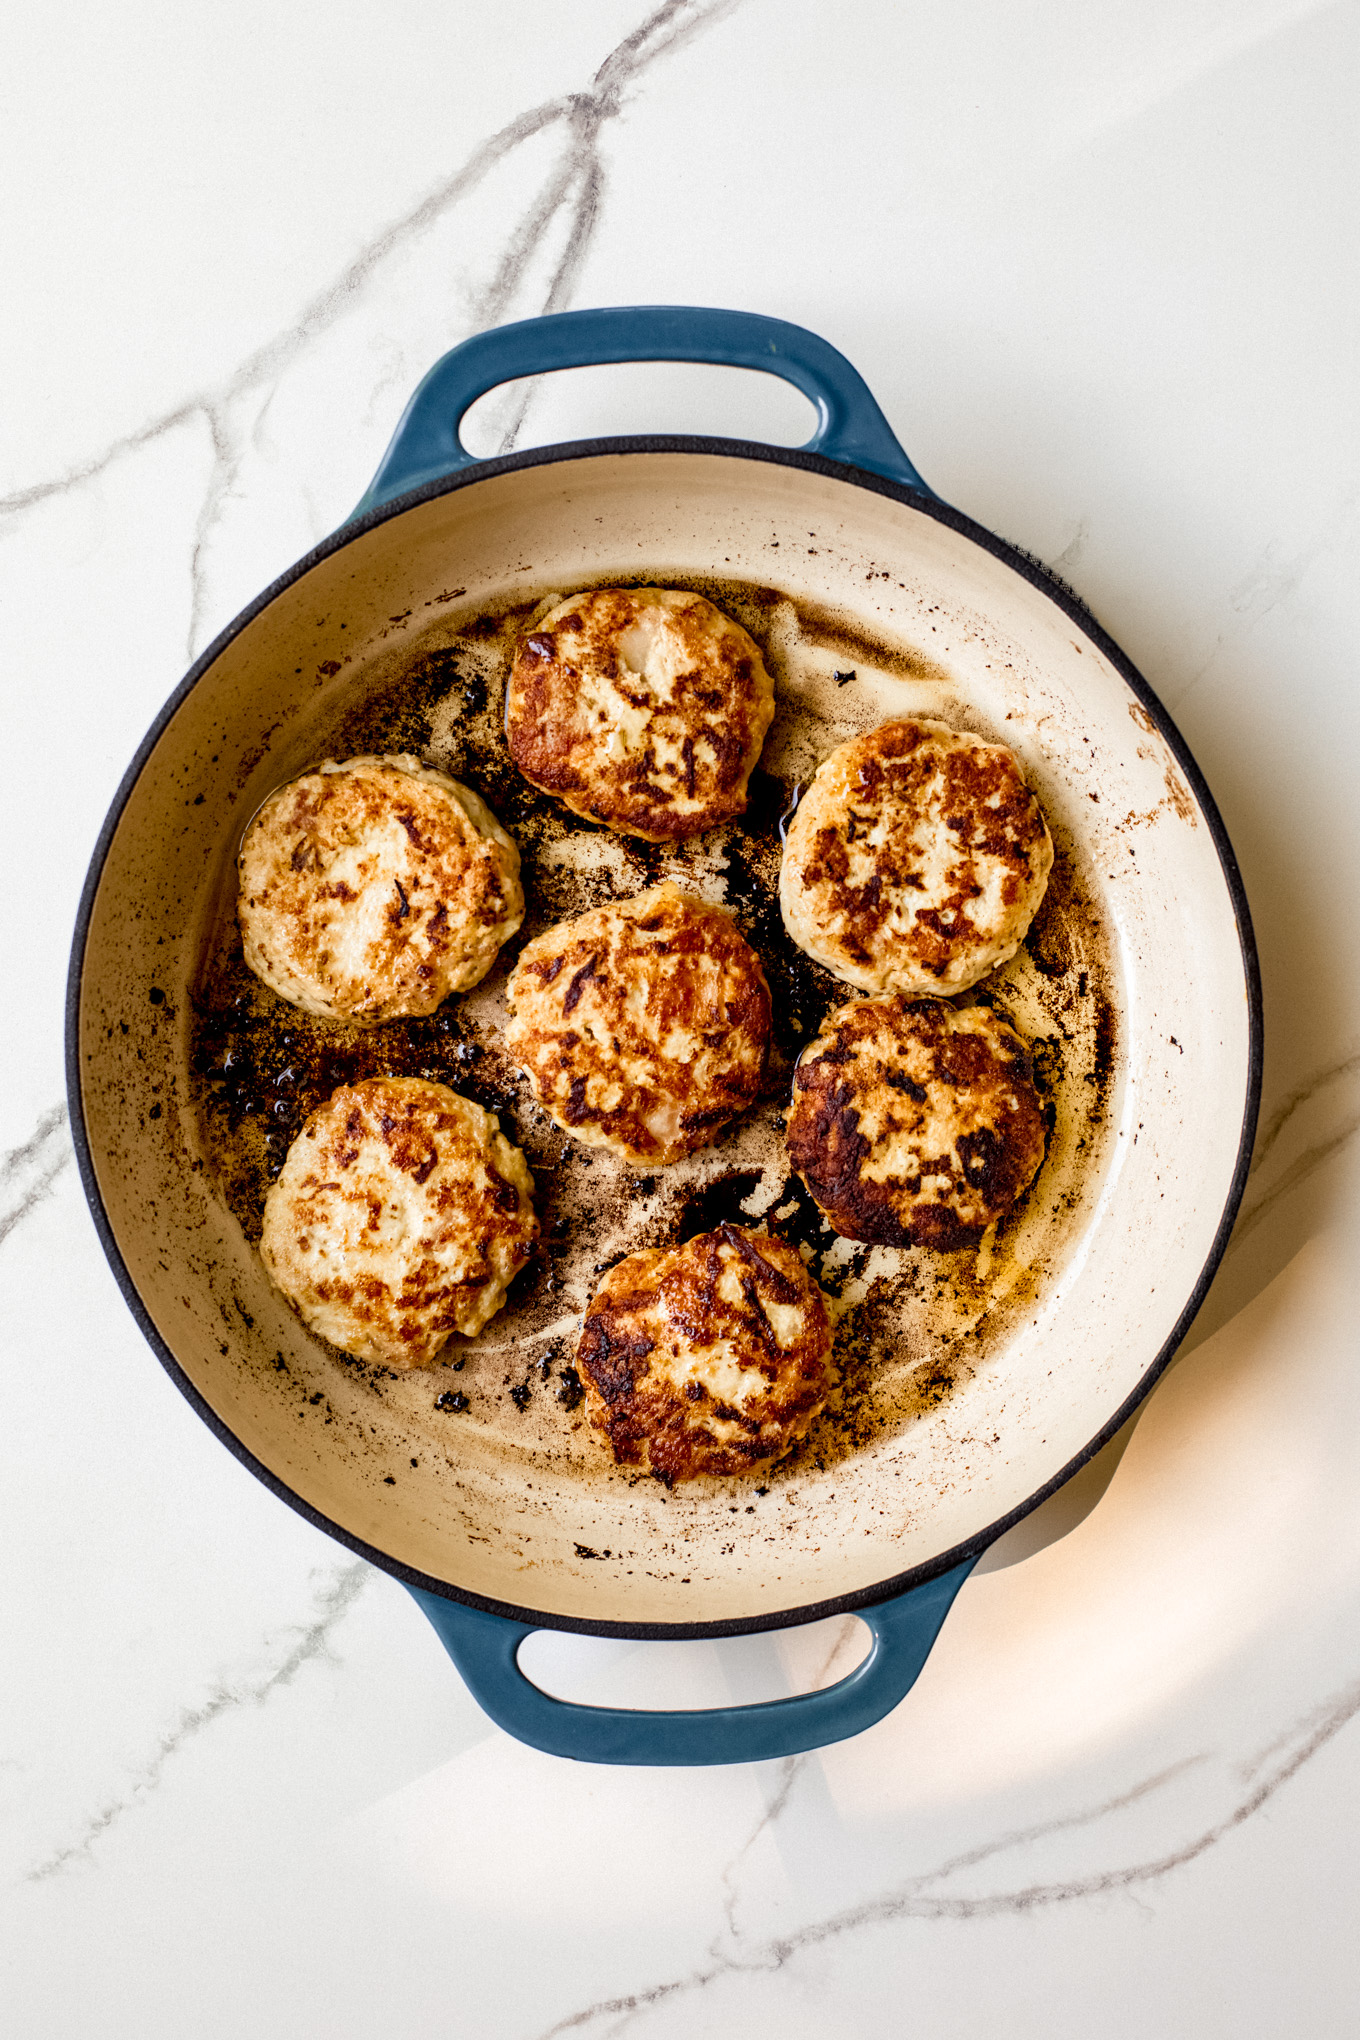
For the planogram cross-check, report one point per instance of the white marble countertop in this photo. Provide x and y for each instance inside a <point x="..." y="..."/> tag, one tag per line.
<point x="1098" y="265"/>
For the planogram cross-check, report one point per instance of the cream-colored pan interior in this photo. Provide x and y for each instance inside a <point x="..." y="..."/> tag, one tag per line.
<point x="968" y="1386"/>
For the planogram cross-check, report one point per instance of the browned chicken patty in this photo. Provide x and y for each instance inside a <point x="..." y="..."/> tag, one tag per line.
<point x="915" y="1125"/>
<point x="915" y="861"/>
<point x="373" y="889"/>
<point x="643" y="708"/>
<point x="642" y="1025"/>
<point x="710" y="1358"/>
<point x="402" y="1215"/>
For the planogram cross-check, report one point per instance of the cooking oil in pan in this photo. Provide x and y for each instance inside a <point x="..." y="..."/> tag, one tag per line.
<point x="912" y="1326"/>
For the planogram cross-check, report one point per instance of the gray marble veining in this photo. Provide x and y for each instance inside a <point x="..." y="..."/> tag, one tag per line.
<point x="29" y="1172"/>
<point x="926" y="1897"/>
<point x="301" y="1644"/>
<point x="1017" y="1872"/>
<point x="574" y="188"/>
<point x="1344" y="1124"/>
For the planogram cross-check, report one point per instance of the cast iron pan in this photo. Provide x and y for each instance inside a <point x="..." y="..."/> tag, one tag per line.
<point x="969" y="1396"/>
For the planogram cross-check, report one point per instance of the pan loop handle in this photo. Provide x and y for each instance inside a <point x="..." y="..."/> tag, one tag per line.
<point x="850" y="427"/>
<point x="485" y="1649"/>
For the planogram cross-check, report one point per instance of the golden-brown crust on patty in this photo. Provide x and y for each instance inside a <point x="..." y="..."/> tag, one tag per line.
<point x="915" y="861"/>
<point x="915" y="1125"/>
<point x="643" y="708"/>
<point x="710" y="1358"/>
<point x="402" y="1215"/>
<point x="642" y="1025"/>
<point x="373" y="889"/>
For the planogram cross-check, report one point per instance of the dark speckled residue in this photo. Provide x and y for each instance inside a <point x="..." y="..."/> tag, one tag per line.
<point x="911" y="1326"/>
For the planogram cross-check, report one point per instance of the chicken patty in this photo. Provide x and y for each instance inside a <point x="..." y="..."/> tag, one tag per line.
<point x="915" y="861"/>
<point x="915" y="1125"/>
<point x="402" y="1215"/>
<point x="642" y="1025"/>
<point x="710" y="1358"/>
<point x="643" y="708"/>
<point x="373" y="889"/>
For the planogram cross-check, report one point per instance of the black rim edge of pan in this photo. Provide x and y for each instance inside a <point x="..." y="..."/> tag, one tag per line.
<point x="1030" y="570"/>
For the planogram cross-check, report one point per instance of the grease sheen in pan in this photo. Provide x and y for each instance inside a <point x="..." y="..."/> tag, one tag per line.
<point x="912" y="1328"/>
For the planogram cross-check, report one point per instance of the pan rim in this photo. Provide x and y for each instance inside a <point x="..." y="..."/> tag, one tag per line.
<point x="1046" y="583"/>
